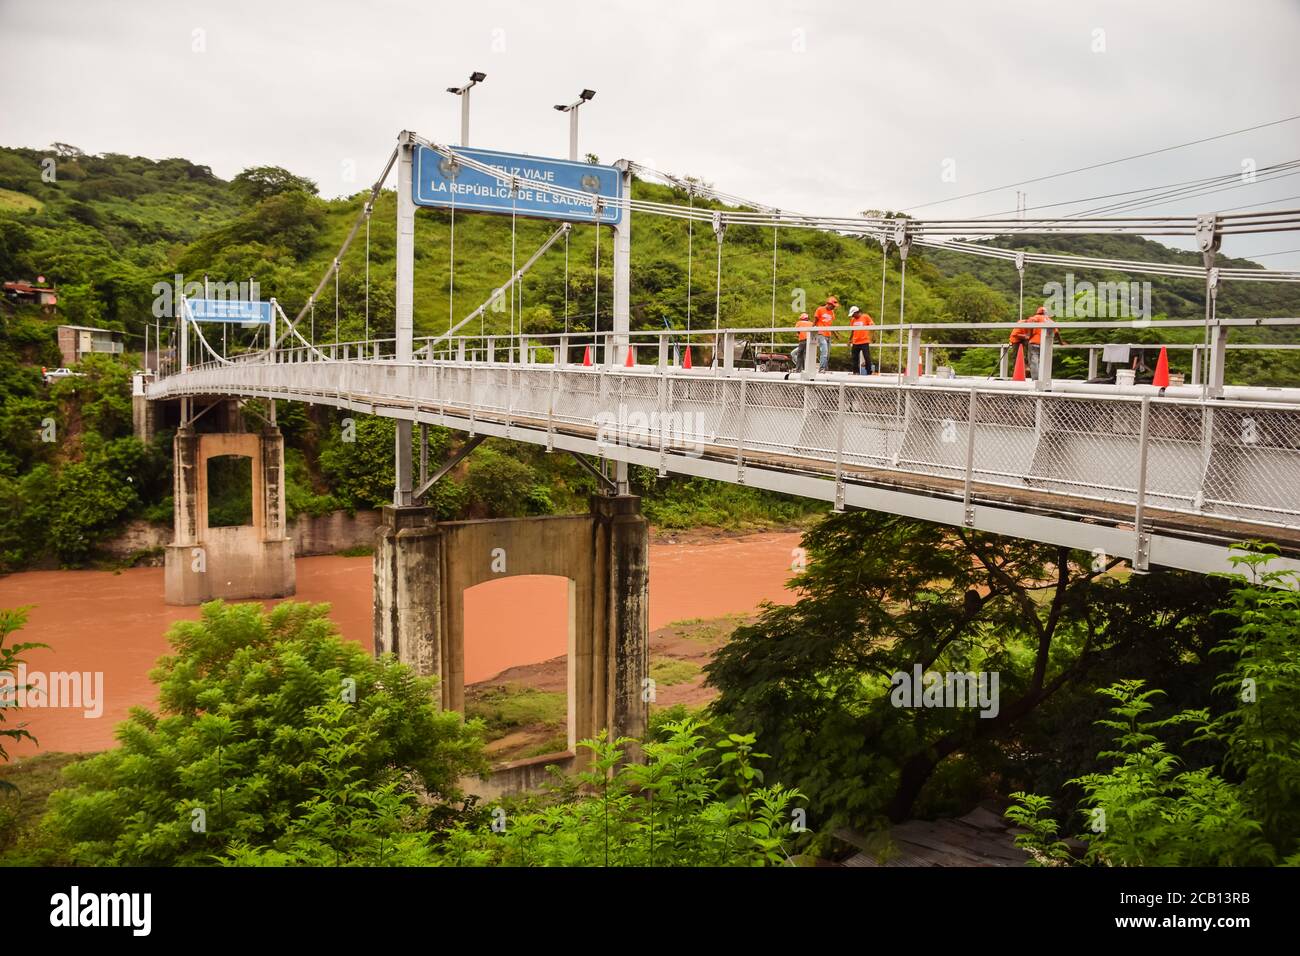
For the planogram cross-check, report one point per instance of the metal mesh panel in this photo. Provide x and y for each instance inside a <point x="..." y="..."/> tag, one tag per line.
<point x="773" y="418"/>
<point x="1175" y="462"/>
<point x="873" y="427"/>
<point x="1006" y="435"/>
<point x="1254" y="466"/>
<point x="935" y="441"/>
<point x="1230" y="460"/>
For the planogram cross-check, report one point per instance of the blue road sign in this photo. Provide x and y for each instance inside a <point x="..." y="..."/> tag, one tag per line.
<point x="229" y="310"/>
<point x="435" y="182"/>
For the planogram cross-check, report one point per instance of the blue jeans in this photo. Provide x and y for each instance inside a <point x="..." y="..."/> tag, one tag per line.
<point x="823" y="352"/>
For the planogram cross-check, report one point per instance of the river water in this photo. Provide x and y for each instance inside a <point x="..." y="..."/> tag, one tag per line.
<point x="114" y="623"/>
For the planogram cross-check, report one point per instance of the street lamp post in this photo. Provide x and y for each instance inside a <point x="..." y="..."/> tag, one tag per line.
<point x="463" y="92"/>
<point x="572" y="110"/>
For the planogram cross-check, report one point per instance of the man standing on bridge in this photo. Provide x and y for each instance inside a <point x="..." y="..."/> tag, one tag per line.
<point x="861" y="340"/>
<point x="825" y="316"/>
<point x="796" y="357"/>
<point x="1034" y="339"/>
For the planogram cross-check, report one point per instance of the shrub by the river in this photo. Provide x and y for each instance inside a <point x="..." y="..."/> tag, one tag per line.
<point x="268" y="720"/>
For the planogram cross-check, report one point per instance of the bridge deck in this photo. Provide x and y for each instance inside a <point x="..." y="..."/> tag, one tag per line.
<point x="1027" y="462"/>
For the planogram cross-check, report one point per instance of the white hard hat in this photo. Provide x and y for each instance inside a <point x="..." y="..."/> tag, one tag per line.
<point x="854" y="310"/>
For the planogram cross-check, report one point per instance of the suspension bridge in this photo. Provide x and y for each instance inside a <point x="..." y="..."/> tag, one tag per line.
<point x="1166" y="476"/>
<point x="1169" y="474"/>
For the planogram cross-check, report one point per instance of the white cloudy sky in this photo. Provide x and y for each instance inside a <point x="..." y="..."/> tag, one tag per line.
<point x="815" y="106"/>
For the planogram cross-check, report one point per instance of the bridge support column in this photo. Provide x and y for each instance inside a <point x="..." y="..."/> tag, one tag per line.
<point x="144" y="413"/>
<point x="408" y="589"/>
<point x="627" y="623"/>
<point x="243" y="561"/>
<point x="423" y="568"/>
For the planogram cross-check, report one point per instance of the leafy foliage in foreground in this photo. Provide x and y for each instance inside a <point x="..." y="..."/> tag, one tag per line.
<point x="1154" y="806"/>
<point x="269" y="722"/>
<point x="688" y="805"/>
<point x="11" y="620"/>
<point x="883" y="595"/>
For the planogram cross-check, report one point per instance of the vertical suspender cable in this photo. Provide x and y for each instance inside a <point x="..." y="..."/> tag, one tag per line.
<point x="451" y="265"/>
<point x="690" y="250"/>
<point x="367" y="277"/>
<point x="884" y="263"/>
<point x="313" y="320"/>
<point x="514" y="286"/>
<point x="717" y="301"/>
<point x="774" y="228"/>
<point x="1020" y="313"/>
<point x="595" y="309"/>
<point x="336" y="302"/>
<point x="566" y="285"/>
<point x="902" y="296"/>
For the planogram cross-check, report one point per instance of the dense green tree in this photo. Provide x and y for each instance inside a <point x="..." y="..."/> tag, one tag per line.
<point x="260" y="714"/>
<point x="1154" y="802"/>
<point x="882" y="595"/>
<point x="262" y="182"/>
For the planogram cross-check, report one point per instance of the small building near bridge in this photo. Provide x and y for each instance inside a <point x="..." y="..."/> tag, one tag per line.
<point x="32" y="293"/>
<point x="78" y="341"/>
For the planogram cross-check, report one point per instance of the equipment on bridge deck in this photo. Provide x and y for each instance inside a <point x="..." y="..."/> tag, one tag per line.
<point x="1019" y="375"/>
<point x="586" y="356"/>
<point x="631" y="356"/>
<point x="687" y="362"/>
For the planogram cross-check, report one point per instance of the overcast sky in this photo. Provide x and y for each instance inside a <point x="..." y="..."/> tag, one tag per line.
<point x="815" y="106"/>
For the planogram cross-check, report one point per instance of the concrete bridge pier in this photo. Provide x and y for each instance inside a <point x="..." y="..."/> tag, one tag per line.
<point x="144" y="413"/>
<point x="243" y="561"/>
<point x="423" y="567"/>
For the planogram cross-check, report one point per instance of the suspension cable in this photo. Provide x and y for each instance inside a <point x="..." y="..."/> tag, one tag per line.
<point x="690" y="255"/>
<point x="367" y="338"/>
<point x="514" y="286"/>
<point x="595" y="309"/>
<point x="356" y="226"/>
<point x="884" y="263"/>
<point x="774" y="229"/>
<point x="451" y="280"/>
<point x="717" y="301"/>
<point x="902" y="295"/>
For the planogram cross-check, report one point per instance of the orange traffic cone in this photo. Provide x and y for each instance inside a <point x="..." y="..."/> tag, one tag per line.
<point x="687" y="362"/>
<point x="631" y="357"/>
<point x="1019" y="374"/>
<point x="586" y="355"/>
<point x="1161" y="378"/>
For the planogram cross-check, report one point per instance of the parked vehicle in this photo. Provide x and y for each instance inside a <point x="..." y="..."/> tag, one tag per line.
<point x="54" y="374"/>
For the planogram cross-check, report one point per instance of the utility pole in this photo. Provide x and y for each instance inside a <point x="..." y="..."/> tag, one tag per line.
<point x="475" y="78"/>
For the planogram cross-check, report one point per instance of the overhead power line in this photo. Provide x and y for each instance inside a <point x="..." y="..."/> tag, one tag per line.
<point x="1110" y="162"/>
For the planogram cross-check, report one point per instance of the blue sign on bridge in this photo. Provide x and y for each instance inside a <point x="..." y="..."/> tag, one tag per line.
<point x="229" y="310"/>
<point x="436" y="182"/>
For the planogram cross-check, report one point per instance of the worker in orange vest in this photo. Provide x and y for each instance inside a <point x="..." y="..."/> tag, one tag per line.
<point x="1034" y="339"/>
<point x="860" y="339"/>
<point x="796" y="357"/>
<point x="825" y="316"/>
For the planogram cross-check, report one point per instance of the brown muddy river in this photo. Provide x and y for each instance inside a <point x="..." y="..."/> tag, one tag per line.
<point x="115" y="624"/>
